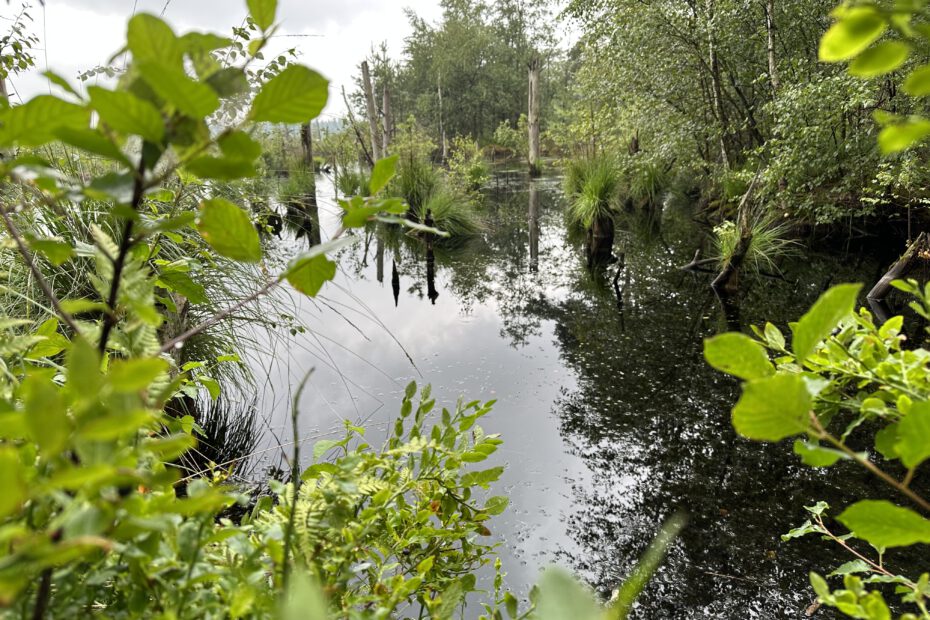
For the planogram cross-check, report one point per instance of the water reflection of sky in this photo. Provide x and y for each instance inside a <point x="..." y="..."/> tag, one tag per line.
<point x="611" y="419"/>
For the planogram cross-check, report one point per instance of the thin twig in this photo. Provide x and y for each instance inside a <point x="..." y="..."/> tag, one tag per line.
<point x="125" y="244"/>
<point x="30" y="262"/>
<point x="869" y="465"/>
<point x="219" y="316"/>
<point x="295" y="483"/>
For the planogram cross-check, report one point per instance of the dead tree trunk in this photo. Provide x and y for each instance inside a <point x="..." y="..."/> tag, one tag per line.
<point x="770" y="42"/>
<point x="372" y="112"/>
<point x="366" y="156"/>
<point x="387" y="129"/>
<point x="900" y="268"/>
<point x="535" y="66"/>
<point x="442" y="128"/>
<point x="600" y="241"/>
<point x="716" y="86"/>
<point x="727" y="280"/>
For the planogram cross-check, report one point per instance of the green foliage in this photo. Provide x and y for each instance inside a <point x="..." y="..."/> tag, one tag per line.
<point x="17" y="44"/>
<point x="846" y="381"/>
<point x="353" y="182"/>
<point x="592" y="186"/>
<point x="856" y="28"/>
<point x="385" y="529"/>
<point x="515" y="138"/>
<point x="95" y="514"/>
<point x="468" y="170"/>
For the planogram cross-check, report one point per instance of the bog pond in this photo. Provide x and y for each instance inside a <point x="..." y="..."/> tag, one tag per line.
<point x="611" y="419"/>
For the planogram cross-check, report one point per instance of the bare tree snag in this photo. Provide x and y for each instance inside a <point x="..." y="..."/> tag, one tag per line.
<point x="770" y="42"/>
<point x="728" y="278"/>
<point x="361" y="142"/>
<point x="306" y="140"/>
<point x="535" y="66"/>
<point x="442" y="128"/>
<point x="388" y="121"/>
<point x="372" y="112"/>
<point x="716" y="86"/>
<point x="900" y="268"/>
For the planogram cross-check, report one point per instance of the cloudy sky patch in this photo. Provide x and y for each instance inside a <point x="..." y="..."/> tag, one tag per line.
<point x="332" y="36"/>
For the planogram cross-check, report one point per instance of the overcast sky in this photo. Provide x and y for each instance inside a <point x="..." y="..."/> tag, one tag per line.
<point x="333" y="36"/>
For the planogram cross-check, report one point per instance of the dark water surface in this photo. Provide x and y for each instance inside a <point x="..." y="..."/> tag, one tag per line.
<point x="610" y="417"/>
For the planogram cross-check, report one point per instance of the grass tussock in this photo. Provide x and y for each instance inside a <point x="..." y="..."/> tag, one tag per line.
<point x="593" y="187"/>
<point x="426" y="188"/>
<point x="352" y="182"/>
<point x="770" y="241"/>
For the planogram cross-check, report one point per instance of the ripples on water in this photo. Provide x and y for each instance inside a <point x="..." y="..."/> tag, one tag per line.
<point x="610" y="417"/>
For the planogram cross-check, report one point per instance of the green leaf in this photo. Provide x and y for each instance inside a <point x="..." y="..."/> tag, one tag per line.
<point x="229" y="231"/>
<point x="296" y="95"/>
<point x="382" y="173"/>
<point x="823" y="317"/>
<point x="815" y="455"/>
<point x="858" y="28"/>
<point x="913" y="436"/>
<point x="228" y="82"/>
<point x="126" y="113"/>
<point x="46" y="415"/>
<point x="481" y="478"/>
<point x="12" y="481"/>
<point x="221" y="168"/>
<point x="880" y="59"/>
<point x="496" y="505"/>
<point x="883" y="524"/>
<point x="773" y="408"/>
<point x="56" y="251"/>
<point x="262" y="12"/>
<point x="323" y="446"/>
<point x="240" y="145"/>
<point x="739" y="355"/>
<point x="310" y="270"/>
<point x="894" y="138"/>
<point x="181" y="283"/>
<point x="820" y="587"/>
<point x="886" y="441"/>
<point x="136" y="374"/>
<point x="308" y="275"/>
<point x="917" y="83"/>
<point x="193" y="98"/>
<point x="850" y="568"/>
<point x="150" y="38"/>
<point x="35" y="122"/>
<point x="115" y="425"/>
<point x="92" y="141"/>
<point x="304" y="599"/>
<point x="561" y="597"/>
<point x="512" y="605"/>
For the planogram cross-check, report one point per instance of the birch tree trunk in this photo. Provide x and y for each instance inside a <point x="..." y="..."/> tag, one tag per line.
<point x="533" y="115"/>
<point x="306" y="140"/>
<point x="372" y="112"/>
<point x="442" y="128"/>
<point x="770" y="41"/>
<point x="716" y="87"/>
<point x="388" y="123"/>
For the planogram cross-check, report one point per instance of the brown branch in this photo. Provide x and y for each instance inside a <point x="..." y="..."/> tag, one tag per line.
<point x="125" y="244"/>
<point x="30" y="262"/>
<point x="821" y="433"/>
<point x="219" y="316"/>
